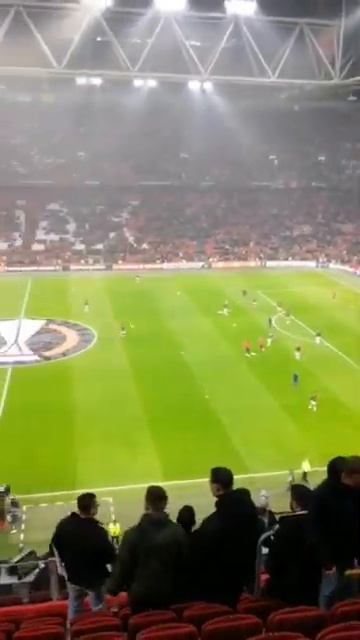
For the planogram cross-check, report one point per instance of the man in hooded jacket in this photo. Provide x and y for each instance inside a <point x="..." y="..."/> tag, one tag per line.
<point x="151" y="557"/>
<point x="224" y="550"/>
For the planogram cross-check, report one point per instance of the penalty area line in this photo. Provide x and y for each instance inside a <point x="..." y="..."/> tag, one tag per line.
<point x="313" y="333"/>
<point x="166" y="483"/>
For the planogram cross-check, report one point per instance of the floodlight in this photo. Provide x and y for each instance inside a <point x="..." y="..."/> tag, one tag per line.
<point x="240" y="7"/>
<point x="208" y="86"/>
<point x="194" y="85"/>
<point x="170" y="6"/>
<point x="151" y="83"/>
<point x="81" y="81"/>
<point x="96" y="81"/>
<point x="138" y="82"/>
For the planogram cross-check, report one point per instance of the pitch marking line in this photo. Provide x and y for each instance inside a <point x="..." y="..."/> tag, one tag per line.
<point x="307" y="328"/>
<point x="166" y="483"/>
<point x="9" y="371"/>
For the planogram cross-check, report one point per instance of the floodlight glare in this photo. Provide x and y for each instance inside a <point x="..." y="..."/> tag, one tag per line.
<point x="81" y="81"/>
<point x="96" y="81"/>
<point x="208" y="86"/>
<point x="151" y="83"/>
<point x="138" y="82"/>
<point x="194" y="85"/>
<point x="240" y="7"/>
<point x="170" y="6"/>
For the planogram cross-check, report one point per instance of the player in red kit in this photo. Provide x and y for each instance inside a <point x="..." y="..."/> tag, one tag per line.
<point x="262" y="344"/>
<point x="247" y="348"/>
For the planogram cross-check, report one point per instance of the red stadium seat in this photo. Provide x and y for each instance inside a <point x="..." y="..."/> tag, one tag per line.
<point x="182" y="606"/>
<point x="47" y="633"/>
<point x="42" y="622"/>
<point x="124" y="616"/>
<point x="282" y="635"/>
<point x="345" y="611"/>
<point x="107" y="635"/>
<point x="201" y="613"/>
<point x="306" y="620"/>
<point x="7" y="629"/>
<point x="3" y="636"/>
<point x="10" y="601"/>
<point x="259" y="607"/>
<point x="142" y="621"/>
<point x="342" y="628"/>
<point x="40" y="596"/>
<point x="95" y="625"/>
<point x="92" y="615"/>
<point x="171" y="631"/>
<point x="19" y="613"/>
<point x="233" y="627"/>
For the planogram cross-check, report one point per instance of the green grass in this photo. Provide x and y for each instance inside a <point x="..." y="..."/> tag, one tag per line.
<point x="177" y="395"/>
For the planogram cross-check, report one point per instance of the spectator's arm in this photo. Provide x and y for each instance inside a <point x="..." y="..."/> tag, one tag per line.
<point x="124" y="566"/>
<point x="107" y="547"/>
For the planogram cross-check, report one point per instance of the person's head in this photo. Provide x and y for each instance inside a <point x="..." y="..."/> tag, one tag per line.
<point x="335" y="468"/>
<point x="300" y="497"/>
<point x="351" y="472"/>
<point x="221" y="481"/>
<point x="264" y="501"/>
<point x="87" y="505"/>
<point x="156" y="499"/>
<point x="186" y="518"/>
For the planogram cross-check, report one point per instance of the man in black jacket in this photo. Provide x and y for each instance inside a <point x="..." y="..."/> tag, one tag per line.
<point x="336" y="523"/>
<point x="151" y="557"/>
<point x="293" y="562"/>
<point x="85" y="550"/>
<point x="225" y="544"/>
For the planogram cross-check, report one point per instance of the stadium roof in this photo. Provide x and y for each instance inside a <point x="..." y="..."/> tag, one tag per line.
<point x="44" y="37"/>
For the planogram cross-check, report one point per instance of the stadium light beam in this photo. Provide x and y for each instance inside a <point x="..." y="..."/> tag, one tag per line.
<point x="138" y="82"/>
<point x="170" y="6"/>
<point x="240" y="7"/>
<point x="96" y="81"/>
<point x="81" y="81"/>
<point x="208" y="86"/>
<point x="151" y="83"/>
<point x="194" y="85"/>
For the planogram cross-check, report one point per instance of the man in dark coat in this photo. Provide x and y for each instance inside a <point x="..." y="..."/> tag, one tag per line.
<point x="224" y="546"/>
<point x="151" y="557"/>
<point x="84" y="549"/>
<point x="293" y="562"/>
<point x="336" y="524"/>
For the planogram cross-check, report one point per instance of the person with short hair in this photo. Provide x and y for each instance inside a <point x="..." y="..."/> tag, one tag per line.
<point x="85" y="551"/>
<point x="225" y="544"/>
<point x="293" y="562"/>
<point x="186" y="518"/>
<point x="151" y="557"/>
<point x="336" y="524"/>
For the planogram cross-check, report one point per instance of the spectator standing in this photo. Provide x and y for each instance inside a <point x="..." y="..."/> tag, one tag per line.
<point x="225" y="543"/>
<point x="336" y="523"/>
<point x="293" y="562"/>
<point x="186" y="518"/>
<point x="151" y="557"/>
<point x="85" y="550"/>
<point x="265" y="513"/>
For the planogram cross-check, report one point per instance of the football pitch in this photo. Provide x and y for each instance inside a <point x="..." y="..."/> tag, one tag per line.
<point x="89" y="409"/>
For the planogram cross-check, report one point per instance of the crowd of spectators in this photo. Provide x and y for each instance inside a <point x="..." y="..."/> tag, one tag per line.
<point x="117" y="176"/>
<point x="149" y="224"/>
<point x="312" y="552"/>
